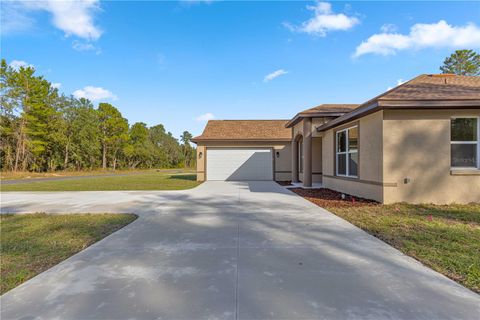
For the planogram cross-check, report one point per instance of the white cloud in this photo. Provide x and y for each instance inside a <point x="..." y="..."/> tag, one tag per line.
<point x="274" y="74"/>
<point x="435" y="35"/>
<point x="14" y="18"/>
<point x="94" y="93"/>
<point x="399" y="82"/>
<point x="324" y="20"/>
<point x="56" y="85"/>
<point x="72" y="17"/>
<point x="85" y="46"/>
<point x="388" y="28"/>
<point x="16" y="64"/>
<point x="205" y="117"/>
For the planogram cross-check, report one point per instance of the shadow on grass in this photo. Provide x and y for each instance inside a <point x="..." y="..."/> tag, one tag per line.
<point x="32" y="243"/>
<point x="189" y="177"/>
<point x="468" y="213"/>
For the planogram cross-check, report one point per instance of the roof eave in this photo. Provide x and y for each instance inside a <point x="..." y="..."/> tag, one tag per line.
<point x="399" y="105"/>
<point x="245" y="139"/>
<point x="355" y="114"/>
<point x="300" y="116"/>
<point x="429" y="104"/>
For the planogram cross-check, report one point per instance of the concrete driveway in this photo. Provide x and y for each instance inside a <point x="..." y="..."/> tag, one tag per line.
<point x="228" y="250"/>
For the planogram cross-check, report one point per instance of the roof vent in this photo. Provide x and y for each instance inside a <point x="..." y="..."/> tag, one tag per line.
<point x="445" y="76"/>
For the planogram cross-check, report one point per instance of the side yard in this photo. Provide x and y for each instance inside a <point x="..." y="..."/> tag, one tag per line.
<point x="446" y="238"/>
<point x="26" y="175"/>
<point x="32" y="243"/>
<point x="177" y="179"/>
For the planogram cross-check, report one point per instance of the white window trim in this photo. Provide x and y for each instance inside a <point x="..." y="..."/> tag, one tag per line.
<point x="346" y="153"/>
<point x="477" y="143"/>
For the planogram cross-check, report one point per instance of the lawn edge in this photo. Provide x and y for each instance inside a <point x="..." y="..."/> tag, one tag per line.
<point x="120" y="190"/>
<point x="388" y="244"/>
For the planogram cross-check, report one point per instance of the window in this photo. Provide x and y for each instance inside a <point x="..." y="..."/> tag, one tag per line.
<point x="464" y="142"/>
<point x="346" y="152"/>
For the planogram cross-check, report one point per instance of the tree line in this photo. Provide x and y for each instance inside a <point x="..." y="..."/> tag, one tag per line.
<point x="44" y="130"/>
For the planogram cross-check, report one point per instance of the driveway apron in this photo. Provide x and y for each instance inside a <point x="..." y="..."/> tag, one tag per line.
<point x="228" y="250"/>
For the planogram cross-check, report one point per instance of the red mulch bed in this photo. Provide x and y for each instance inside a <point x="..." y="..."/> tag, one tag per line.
<point x="284" y="183"/>
<point x="324" y="197"/>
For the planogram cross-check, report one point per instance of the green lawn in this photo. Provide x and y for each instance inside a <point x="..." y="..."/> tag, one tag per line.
<point x="32" y="243"/>
<point x="445" y="238"/>
<point x="26" y="175"/>
<point x="150" y="180"/>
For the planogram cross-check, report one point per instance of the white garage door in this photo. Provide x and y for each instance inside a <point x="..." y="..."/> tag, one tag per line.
<point x="239" y="164"/>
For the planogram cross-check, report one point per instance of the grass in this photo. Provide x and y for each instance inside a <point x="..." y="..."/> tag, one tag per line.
<point x="20" y="175"/>
<point x="149" y="180"/>
<point x="446" y="238"/>
<point x="32" y="243"/>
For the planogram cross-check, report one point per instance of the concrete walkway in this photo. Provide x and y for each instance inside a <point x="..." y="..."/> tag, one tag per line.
<point x="228" y="250"/>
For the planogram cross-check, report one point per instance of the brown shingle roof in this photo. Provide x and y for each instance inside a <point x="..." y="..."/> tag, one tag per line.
<point x="329" y="109"/>
<point x="427" y="91"/>
<point x="245" y="130"/>
<point x="436" y="87"/>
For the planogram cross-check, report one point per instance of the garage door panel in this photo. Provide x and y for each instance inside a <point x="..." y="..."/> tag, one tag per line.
<point x="239" y="164"/>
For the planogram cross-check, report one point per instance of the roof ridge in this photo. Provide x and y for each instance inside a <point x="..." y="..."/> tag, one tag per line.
<point x="395" y="88"/>
<point x="334" y="104"/>
<point x="448" y="75"/>
<point x="248" y="120"/>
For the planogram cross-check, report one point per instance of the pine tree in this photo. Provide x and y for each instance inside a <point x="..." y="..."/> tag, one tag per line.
<point x="462" y="62"/>
<point x="113" y="131"/>
<point x="42" y="129"/>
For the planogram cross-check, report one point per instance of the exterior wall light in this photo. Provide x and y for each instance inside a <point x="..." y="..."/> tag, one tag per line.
<point x="278" y="154"/>
<point x="200" y="154"/>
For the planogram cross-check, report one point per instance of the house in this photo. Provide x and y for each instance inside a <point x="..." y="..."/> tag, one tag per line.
<point x="244" y="150"/>
<point x="418" y="143"/>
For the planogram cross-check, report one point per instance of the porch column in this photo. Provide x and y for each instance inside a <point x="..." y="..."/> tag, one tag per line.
<point x="307" y="152"/>
<point x="294" y="160"/>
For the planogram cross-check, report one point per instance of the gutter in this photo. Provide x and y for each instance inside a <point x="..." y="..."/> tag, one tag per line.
<point x="355" y="114"/>
<point x="240" y="140"/>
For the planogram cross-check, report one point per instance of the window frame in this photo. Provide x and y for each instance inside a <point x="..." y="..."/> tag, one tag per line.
<point x="347" y="152"/>
<point x="477" y="143"/>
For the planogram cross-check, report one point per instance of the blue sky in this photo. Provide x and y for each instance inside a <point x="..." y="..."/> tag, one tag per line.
<point x="180" y="63"/>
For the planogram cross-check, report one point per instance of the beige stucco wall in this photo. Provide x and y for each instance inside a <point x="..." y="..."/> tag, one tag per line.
<point x="316" y="122"/>
<point x="317" y="159"/>
<point x="316" y="147"/>
<point x="201" y="162"/>
<point x="298" y="129"/>
<point x="369" y="183"/>
<point x="283" y="163"/>
<point x="417" y="146"/>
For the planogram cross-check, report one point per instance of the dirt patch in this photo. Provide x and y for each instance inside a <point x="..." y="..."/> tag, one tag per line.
<point x="326" y="198"/>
